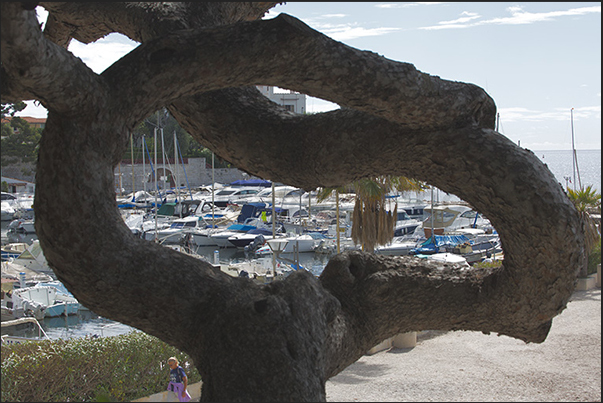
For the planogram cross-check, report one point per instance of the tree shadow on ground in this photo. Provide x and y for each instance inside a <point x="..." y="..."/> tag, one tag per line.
<point x="359" y="372"/>
<point x="588" y="295"/>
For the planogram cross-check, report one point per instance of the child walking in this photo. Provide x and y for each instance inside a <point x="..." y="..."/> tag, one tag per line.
<point x="178" y="382"/>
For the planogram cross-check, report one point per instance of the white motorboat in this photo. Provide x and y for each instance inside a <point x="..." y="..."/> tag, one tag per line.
<point x="213" y="219"/>
<point x="261" y="270"/>
<point x="405" y="224"/>
<point x="32" y="258"/>
<point x="218" y="216"/>
<point x="221" y="237"/>
<point x="22" y="226"/>
<point x="200" y="236"/>
<point x="298" y="243"/>
<point x="446" y="257"/>
<point x="177" y="229"/>
<point x="8" y="210"/>
<point x="137" y="199"/>
<point x="13" y="250"/>
<point x="451" y="217"/>
<point x="43" y="301"/>
<point x="10" y="339"/>
<point x="399" y="246"/>
<point x="242" y="240"/>
<point x="234" y="195"/>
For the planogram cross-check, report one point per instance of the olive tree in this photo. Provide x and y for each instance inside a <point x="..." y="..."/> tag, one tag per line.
<point x="284" y="340"/>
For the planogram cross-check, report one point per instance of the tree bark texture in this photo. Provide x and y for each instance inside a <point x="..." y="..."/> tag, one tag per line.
<point x="281" y="341"/>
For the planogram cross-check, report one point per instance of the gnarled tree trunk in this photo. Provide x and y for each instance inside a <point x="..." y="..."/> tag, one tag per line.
<point x="281" y="341"/>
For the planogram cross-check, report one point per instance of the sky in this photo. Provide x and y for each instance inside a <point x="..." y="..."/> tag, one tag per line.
<point x="540" y="62"/>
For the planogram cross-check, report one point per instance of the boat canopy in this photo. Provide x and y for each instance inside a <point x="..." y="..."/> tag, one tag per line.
<point x="251" y="210"/>
<point x="251" y="182"/>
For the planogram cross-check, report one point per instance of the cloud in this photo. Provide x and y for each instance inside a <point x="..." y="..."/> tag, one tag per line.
<point x="334" y="16"/>
<point x="517" y="114"/>
<point x="518" y="17"/>
<point x="340" y="31"/>
<point x="347" y="32"/>
<point x="469" y="17"/>
<point x="407" y="5"/>
<point x="103" y="53"/>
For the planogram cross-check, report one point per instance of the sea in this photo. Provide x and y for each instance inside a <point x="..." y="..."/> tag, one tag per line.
<point x="87" y="323"/>
<point x="561" y="164"/>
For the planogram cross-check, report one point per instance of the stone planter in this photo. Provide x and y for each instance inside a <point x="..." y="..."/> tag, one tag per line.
<point x="588" y="283"/>
<point x="402" y="340"/>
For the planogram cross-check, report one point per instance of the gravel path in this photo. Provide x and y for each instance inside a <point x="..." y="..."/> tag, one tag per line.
<point x="471" y="366"/>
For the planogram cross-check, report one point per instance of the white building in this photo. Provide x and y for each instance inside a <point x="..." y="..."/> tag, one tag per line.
<point x="19" y="186"/>
<point x="290" y="100"/>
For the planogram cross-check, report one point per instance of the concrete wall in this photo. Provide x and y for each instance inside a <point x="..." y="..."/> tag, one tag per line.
<point x="195" y="172"/>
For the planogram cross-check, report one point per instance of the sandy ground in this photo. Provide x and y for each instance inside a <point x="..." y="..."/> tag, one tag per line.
<point x="471" y="366"/>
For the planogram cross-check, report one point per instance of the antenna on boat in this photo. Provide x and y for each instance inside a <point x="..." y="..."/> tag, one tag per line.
<point x="176" y="181"/>
<point x="273" y="218"/>
<point x="132" y="158"/>
<point x="432" y="213"/>
<point x="213" y="184"/>
<point x="144" y="173"/>
<point x="574" y="156"/>
<point x="156" y="187"/>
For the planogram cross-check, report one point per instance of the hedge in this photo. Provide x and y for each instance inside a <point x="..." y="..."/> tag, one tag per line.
<point x="107" y="369"/>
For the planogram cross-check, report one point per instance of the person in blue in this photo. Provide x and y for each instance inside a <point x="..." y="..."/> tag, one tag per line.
<point x="178" y="382"/>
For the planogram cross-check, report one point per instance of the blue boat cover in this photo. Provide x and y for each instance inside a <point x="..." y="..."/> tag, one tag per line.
<point x="429" y="248"/>
<point x="241" y="227"/>
<point x="448" y="240"/>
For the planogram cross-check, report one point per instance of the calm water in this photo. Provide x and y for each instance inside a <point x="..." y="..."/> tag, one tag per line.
<point x="88" y="323"/>
<point x="560" y="164"/>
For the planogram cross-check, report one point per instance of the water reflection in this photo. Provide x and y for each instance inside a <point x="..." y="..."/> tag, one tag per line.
<point x="87" y="323"/>
<point x="313" y="262"/>
<point x="84" y="323"/>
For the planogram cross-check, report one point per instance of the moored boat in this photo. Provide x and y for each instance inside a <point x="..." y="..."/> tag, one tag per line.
<point x="10" y="339"/>
<point x="43" y="301"/>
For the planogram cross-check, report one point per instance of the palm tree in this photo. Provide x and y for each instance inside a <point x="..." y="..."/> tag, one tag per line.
<point x="587" y="200"/>
<point x="373" y="221"/>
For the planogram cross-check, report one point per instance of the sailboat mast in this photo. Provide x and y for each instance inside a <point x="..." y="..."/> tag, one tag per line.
<point x="273" y="218"/>
<point x="176" y="171"/>
<point x="132" y="155"/>
<point x="156" y="188"/>
<point x="432" y="214"/>
<point x="144" y="174"/>
<point x="213" y="192"/>
<point x="574" y="155"/>
<point x="164" y="175"/>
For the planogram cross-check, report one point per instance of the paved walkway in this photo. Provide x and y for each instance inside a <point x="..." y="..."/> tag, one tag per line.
<point x="471" y="366"/>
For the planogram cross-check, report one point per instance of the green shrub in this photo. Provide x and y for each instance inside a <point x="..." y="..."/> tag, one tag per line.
<point x="118" y="368"/>
<point x="487" y="265"/>
<point x="594" y="258"/>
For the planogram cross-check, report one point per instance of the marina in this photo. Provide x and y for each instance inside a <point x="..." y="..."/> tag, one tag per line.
<point x="235" y="260"/>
